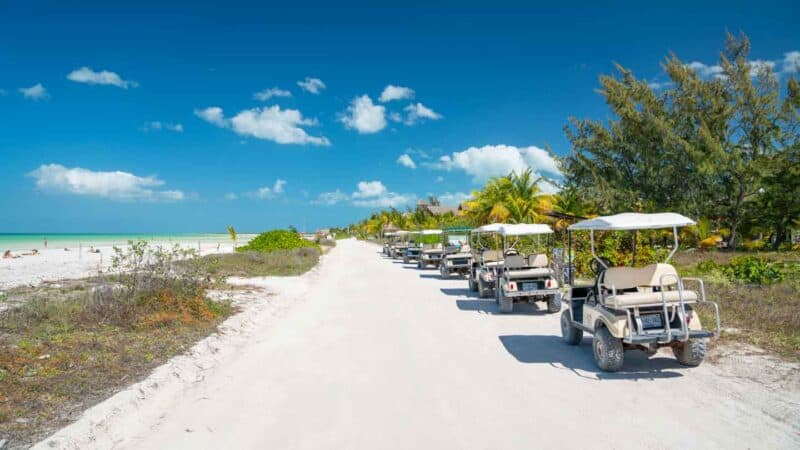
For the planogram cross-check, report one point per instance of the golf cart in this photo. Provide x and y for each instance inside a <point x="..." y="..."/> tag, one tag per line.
<point x="390" y="237"/>
<point x="526" y="274"/>
<point x="432" y="252"/>
<point x="636" y="307"/>
<point x="414" y="249"/>
<point x="457" y="254"/>
<point x="399" y="246"/>
<point x="487" y="259"/>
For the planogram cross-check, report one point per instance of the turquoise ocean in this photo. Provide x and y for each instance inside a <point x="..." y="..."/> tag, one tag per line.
<point x="29" y="241"/>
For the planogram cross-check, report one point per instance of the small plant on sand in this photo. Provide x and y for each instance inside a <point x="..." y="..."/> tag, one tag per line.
<point x="277" y="240"/>
<point x="232" y="233"/>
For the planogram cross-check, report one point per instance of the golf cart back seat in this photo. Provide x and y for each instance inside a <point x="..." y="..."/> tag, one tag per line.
<point x="636" y="286"/>
<point x="491" y="255"/>
<point x="531" y="267"/>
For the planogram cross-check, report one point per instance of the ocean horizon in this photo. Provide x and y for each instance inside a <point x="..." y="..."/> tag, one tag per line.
<point x="30" y="241"/>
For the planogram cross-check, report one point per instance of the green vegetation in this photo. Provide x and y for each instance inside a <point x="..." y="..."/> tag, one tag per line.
<point x="260" y="264"/>
<point x="62" y="349"/>
<point x="277" y="240"/>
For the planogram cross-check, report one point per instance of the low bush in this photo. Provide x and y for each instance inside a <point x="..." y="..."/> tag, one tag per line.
<point x="260" y="264"/>
<point x="277" y="240"/>
<point x="754" y="270"/>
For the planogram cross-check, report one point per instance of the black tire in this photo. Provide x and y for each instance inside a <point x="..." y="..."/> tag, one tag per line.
<point x="483" y="291"/>
<point x="504" y="304"/>
<point x="690" y="353"/>
<point x="570" y="333"/>
<point x="420" y="265"/>
<point x="608" y="352"/>
<point x="473" y="285"/>
<point x="554" y="303"/>
<point x="444" y="272"/>
<point x="406" y="260"/>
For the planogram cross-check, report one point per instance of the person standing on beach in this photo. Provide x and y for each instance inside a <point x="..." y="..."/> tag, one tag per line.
<point x="45" y="242"/>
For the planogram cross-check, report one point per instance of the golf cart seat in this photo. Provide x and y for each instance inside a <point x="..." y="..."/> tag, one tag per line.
<point x="492" y="255"/>
<point x="638" y="286"/>
<point x="521" y="267"/>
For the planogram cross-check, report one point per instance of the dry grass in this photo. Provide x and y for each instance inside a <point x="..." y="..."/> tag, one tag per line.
<point x="258" y="264"/>
<point x="766" y="316"/>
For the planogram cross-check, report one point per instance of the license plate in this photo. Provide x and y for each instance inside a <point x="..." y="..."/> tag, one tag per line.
<point x="530" y="286"/>
<point x="652" y="321"/>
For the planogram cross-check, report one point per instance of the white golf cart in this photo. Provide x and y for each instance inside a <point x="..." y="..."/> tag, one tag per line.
<point x="487" y="259"/>
<point x="431" y="252"/>
<point x="526" y="274"/>
<point x="389" y="238"/>
<point x="414" y="248"/>
<point x="399" y="246"/>
<point x="637" y="307"/>
<point x="457" y="254"/>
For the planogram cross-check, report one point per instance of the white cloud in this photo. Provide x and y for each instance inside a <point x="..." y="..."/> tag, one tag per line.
<point x="416" y="111"/>
<point x="35" y="92"/>
<point x="658" y="85"/>
<point x="272" y="123"/>
<point x="391" y="92"/>
<point x="213" y="115"/>
<point x="705" y="70"/>
<point x="489" y="161"/>
<point x="117" y="185"/>
<point x="791" y="62"/>
<point x="267" y="94"/>
<point x="267" y="192"/>
<point x="312" y="85"/>
<point x="231" y="196"/>
<point x="364" y="116"/>
<point x="406" y="161"/>
<point x="156" y="125"/>
<point x="374" y="194"/>
<point x="89" y="76"/>
<point x="396" y="117"/>
<point x="454" y="198"/>
<point x="331" y="198"/>
<point x="370" y="189"/>
<point x="757" y="65"/>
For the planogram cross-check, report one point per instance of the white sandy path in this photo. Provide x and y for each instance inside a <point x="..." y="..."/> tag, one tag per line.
<point x="379" y="355"/>
<point x="57" y="264"/>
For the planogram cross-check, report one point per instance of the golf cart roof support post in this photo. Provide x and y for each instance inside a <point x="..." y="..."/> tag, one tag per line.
<point x="675" y="248"/>
<point x="570" y="264"/>
<point x="594" y="255"/>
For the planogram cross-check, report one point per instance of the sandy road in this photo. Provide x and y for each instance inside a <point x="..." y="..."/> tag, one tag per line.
<point x="381" y="355"/>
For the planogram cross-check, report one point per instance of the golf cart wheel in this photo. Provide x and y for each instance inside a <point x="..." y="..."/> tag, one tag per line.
<point x="571" y="334"/>
<point x="608" y="352"/>
<point x="505" y="304"/>
<point x="473" y="286"/>
<point x="554" y="303"/>
<point x="444" y="272"/>
<point x="690" y="353"/>
<point x="483" y="291"/>
<point x="405" y="260"/>
<point x="420" y="265"/>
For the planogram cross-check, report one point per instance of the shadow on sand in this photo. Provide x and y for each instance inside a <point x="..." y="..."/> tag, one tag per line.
<point x="578" y="359"/>
<point x="489" y="306"/>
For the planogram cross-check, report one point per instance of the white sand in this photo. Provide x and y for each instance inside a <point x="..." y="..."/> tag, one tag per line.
<point x="367" y="353"/>
<point x="57" y="264"/>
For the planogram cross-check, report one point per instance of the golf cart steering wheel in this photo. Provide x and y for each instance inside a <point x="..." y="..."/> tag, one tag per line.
<point x="598" y="268"/>
<point x="510" y="252"/>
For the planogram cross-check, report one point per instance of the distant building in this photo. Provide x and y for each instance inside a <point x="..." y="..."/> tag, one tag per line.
<point x="436" y="209"/>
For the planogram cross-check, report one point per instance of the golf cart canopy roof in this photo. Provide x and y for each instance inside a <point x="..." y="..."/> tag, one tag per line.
<point x="634" y="221"/>
<point x="520" y="229"/>
<point x="401" y="232"/>
<point x="491" y="228"/>
<point x="428" y="232"/>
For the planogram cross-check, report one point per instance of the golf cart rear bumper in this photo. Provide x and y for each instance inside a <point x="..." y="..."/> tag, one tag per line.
<point x="537" y="293"/>
<point x="663" y="338"/>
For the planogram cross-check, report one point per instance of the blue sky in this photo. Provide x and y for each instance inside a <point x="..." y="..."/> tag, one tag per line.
<point x="143" y="116"/>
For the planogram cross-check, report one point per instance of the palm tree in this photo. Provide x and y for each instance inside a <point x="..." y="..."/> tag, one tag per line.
<point x="515" y="198"/>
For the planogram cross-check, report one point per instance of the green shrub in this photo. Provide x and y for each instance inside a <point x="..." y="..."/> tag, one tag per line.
<point x="754" y="270"/>
<point x="277" y="240"/>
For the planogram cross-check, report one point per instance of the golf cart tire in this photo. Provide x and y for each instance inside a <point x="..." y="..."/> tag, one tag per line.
<point x="554" y="303"/>
<point x="690" y="353"/>
<point x="608" y="352"/>
<point x="473" y="286"/>
<point x="483" y="292"/>
<point x="505" y="304"/>
<point x="406" y="260"/>
<point x="571" y="334"/>
<point x="445" y="274"/>
<point x="420" y="266"/>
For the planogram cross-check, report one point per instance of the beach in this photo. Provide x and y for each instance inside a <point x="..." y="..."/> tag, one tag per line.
<point x="76" y="261"/>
